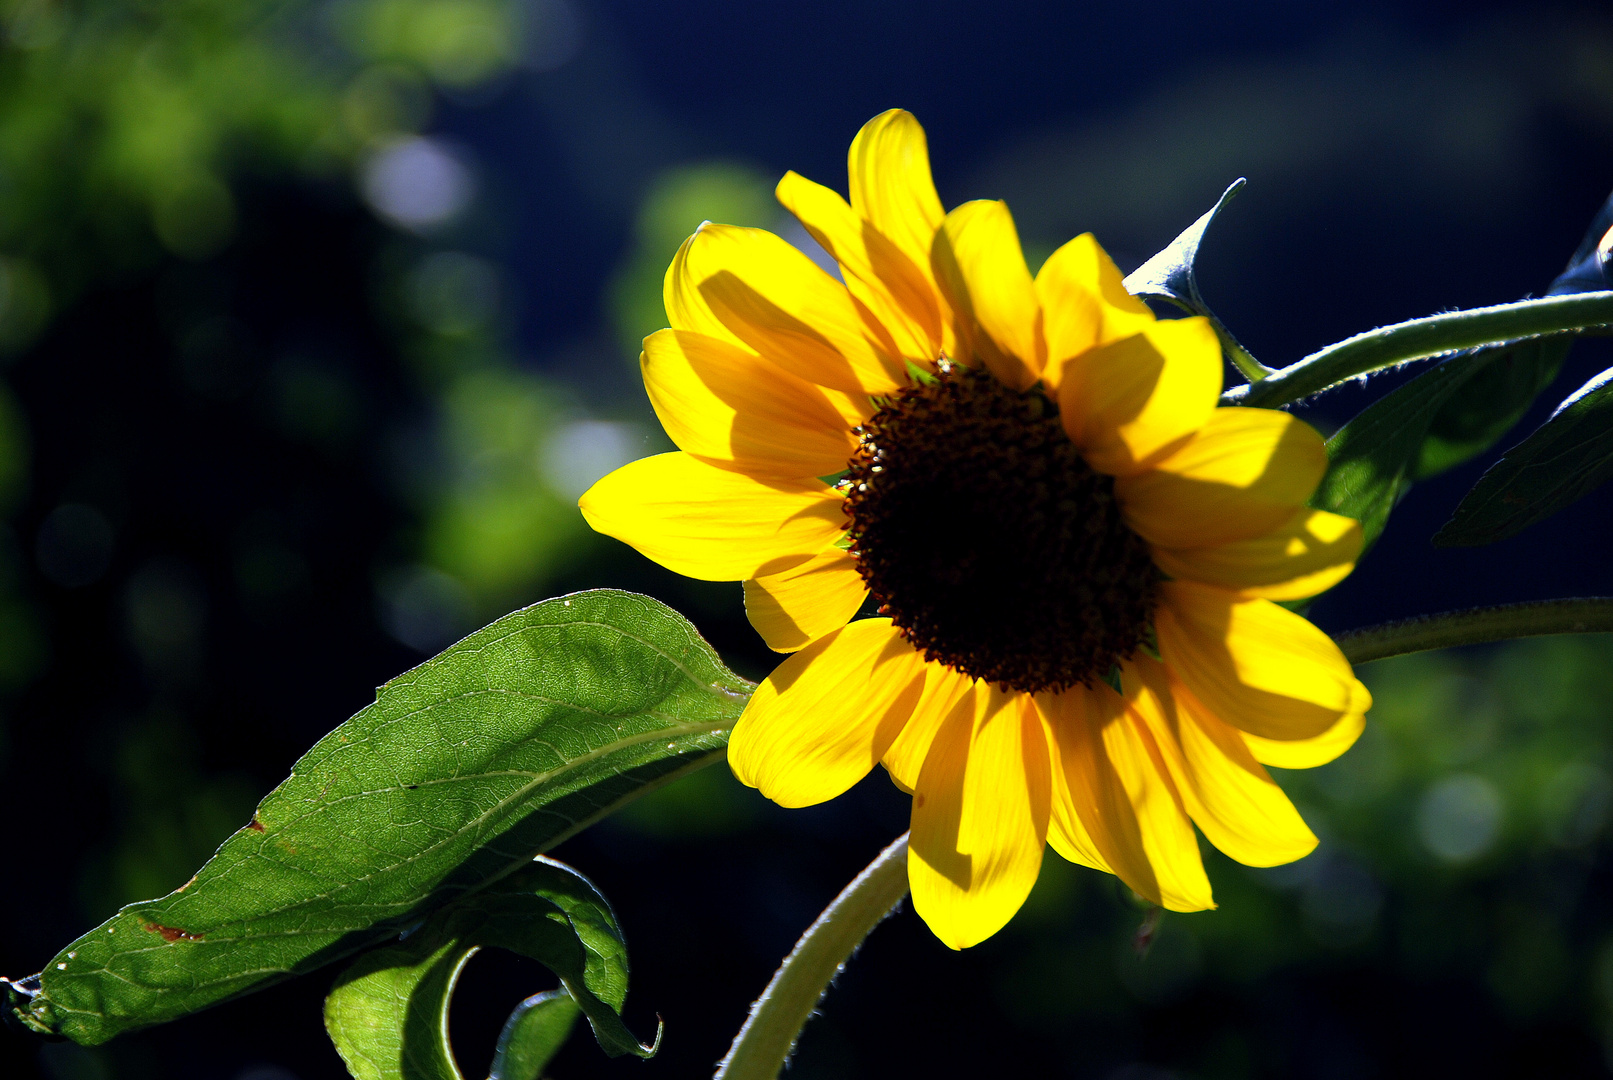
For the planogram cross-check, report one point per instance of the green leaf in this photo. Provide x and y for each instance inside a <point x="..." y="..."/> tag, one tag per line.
<point x="1434" y="422"/>
<point x="1566" y="458"/>
<point x="533" y="1035"/>
<point x="1172" y="275"/>
<point x="1507" y="381"/>
<point x="1369" y="457"/>
<point x="388" y="1012"/>
<point x="464" y="768"/>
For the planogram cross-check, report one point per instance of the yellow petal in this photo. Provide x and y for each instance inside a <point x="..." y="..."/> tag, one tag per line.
<point x="980" y="817"/>
<point x="1257" y="666"/>
<point x="978" y="261"/>
<point x="891" y="186"/>
<point x="1308" y="554"/>
<point x="1131" y="399"/>
<point x="900" y="296"/>
<point x="805" y="602"/>
<point x="820" y="722"/>
<point x="905" y="758"/>
<point x="1084" y="303"/>
<point x="779" y="303"/>
<point x="686" y="309"/>
<point x="1309" y="753"/>
<point x="1244" y="474"/>
<point x="1113" y="783"/>
<point x="728" y="405"/>
<point x="1066" y="829"/>
<point x="710" y="523"/>
<point x="1167" y="834"/>
<point x="1223" y="788"/>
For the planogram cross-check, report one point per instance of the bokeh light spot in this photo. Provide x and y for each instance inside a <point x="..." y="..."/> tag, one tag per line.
<point x="424" y="608"/>
<point x="581" y="452"/>
<point x="418" y="183"/>
<point x="166" y="610"/>
<point x="1459" y="817"/>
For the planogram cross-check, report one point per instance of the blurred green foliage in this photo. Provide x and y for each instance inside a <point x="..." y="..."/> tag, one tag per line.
<point x="132" y="135"/>
<point x="501" y="525"/>
<point x="124" y="125"/>
<point x="130" y="132"/>
<point x="676" y="204"/>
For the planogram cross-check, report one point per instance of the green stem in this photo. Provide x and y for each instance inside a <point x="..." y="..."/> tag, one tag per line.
<point x="1420" y="338"/>
<point x="775" y="1021"/>
<point x="1477" y="626"/>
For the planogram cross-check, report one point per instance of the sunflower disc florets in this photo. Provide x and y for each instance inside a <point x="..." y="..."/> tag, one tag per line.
<point x="985" y="537"/>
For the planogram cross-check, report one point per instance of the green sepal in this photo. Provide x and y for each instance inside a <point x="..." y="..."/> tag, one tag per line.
<point x="920" y="375"/>
<point x="1589" y="269"/>
<point x="1172" y="275"/>
<point x="1112" y="677"/>
<point x="1150" y="643"/>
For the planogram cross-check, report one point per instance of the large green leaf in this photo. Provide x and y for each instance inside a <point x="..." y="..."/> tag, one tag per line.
<point x="1566" y="458"/>
<point x="388" y="1012"/>
<point x="463" y="769"/>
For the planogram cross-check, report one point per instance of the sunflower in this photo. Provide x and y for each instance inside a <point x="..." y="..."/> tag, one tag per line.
<point x="1073" y="553"/>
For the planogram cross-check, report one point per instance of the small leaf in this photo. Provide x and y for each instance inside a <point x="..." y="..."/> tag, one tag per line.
<point x="388" y="1012"/>
<point x="1566" y="458"/>
<point x="1500" y="391"/>
<point x="464" y="768"/>
<point x="1172" y="275"/>
<point x="1369" y="457"/>
<point x="532" y="1036"/>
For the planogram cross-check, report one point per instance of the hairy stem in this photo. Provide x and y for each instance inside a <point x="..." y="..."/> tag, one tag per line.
<point x="1476" y="626"/>
<point x="775" y="1021"/>
<point x="1420" y="338"/>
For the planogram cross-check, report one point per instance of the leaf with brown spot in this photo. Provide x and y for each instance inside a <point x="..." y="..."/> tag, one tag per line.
<point x="461" y="771"/>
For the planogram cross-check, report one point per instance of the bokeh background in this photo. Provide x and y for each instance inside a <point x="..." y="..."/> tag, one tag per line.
<point x="317" y="316"/>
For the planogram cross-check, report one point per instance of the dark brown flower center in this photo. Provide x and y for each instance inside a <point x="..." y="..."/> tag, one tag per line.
<point x="990" y="542"/>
